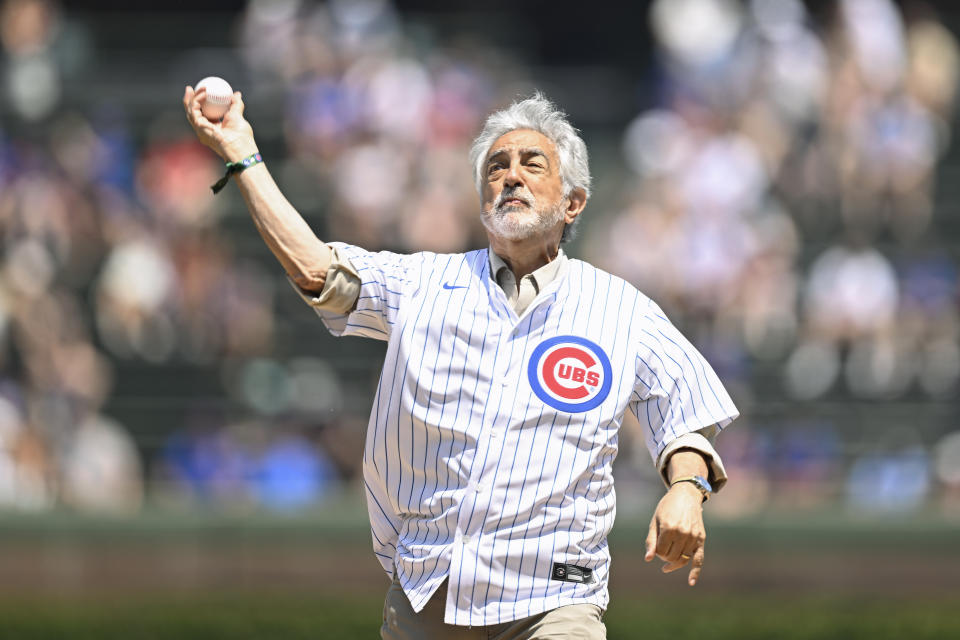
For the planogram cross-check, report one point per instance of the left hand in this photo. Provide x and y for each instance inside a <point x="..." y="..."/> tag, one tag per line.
<point x="676" y="532"/>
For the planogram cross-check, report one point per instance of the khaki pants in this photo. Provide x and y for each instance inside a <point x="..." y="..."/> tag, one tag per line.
<point x="573" y="621"/>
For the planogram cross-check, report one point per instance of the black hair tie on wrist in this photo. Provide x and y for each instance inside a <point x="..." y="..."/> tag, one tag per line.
<point x="236" y="167"/>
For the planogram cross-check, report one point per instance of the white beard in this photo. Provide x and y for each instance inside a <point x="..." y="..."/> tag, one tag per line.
<point x="517" y="222"/>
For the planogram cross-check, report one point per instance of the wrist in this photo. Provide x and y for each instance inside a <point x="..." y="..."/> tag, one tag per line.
<point x="686" y="488"/>
<point x="236" y="168"/>
<point x="696" y="483"/>
<point x="237" y="150"/>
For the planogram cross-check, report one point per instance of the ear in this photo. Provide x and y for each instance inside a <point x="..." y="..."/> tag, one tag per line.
<point x="576" y="201"/>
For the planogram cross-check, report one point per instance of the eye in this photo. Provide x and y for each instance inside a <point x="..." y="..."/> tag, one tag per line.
<point x="493" y="167"/>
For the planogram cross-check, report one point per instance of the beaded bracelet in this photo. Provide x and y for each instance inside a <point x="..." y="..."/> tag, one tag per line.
<point x="236" y="167"/>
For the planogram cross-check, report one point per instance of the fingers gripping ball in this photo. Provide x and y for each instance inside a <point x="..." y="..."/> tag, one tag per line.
<point x="218" y="97"/>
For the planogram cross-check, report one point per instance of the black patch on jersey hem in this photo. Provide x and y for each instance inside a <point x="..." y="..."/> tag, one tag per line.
<point x="572" y="573"/>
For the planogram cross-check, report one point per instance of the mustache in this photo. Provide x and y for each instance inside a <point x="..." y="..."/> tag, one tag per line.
<point x="516" y="193"/>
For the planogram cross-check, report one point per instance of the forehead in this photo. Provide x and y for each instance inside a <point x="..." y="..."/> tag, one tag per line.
<point x="524" y="139"/>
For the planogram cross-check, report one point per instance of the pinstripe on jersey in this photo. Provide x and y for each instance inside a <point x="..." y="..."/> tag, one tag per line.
<point x="470" y="474"/>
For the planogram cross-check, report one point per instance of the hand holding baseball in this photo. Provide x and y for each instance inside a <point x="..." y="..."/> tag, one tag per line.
<point x="232" y="137"/>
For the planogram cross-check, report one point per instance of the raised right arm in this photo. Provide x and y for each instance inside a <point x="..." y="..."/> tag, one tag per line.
<point x="303" y="255"/>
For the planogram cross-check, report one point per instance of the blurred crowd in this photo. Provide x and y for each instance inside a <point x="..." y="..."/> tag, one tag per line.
<point x="784" y="188"/>
<point x="778" y="200"/>
<point x="780" y="203"/>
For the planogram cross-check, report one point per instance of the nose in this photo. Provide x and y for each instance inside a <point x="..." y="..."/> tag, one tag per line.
<point x="513" y="177"/>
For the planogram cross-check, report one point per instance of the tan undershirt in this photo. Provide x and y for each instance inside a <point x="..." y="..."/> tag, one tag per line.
<point x="342" y="288"/>
<point x="531" y="284"/>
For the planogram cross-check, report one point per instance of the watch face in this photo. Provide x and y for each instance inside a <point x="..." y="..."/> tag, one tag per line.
<point x="704" y="484"/>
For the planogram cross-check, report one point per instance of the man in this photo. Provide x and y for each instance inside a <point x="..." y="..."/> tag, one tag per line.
<point x="507" y="375"/>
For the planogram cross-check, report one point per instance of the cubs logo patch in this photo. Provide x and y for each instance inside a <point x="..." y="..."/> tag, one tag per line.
<point x="570" y="373"/>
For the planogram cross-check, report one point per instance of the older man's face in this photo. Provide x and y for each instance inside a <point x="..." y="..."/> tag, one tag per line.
<point x="522" y="187"/>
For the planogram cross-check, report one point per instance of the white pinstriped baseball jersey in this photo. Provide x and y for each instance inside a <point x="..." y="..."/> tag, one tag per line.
<point x="491" y="438"/>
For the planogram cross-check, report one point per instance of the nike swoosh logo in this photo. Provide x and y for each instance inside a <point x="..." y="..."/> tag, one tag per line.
<point x="447" y="285"/>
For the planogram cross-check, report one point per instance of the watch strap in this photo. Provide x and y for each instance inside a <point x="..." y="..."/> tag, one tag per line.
<point x="697" y="482"/>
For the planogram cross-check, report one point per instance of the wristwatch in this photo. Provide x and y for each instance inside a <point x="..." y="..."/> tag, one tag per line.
<point x="699" y="482"/>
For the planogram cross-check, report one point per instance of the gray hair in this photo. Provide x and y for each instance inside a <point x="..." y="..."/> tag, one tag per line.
<point x="537" y="113"/>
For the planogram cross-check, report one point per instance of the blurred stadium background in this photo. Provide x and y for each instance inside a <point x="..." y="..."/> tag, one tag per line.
<point x="180" y="439"/>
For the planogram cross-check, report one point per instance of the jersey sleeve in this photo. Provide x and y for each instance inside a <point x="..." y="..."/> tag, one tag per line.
<point x="386" y="278"/>
<point x="676" y="390"/>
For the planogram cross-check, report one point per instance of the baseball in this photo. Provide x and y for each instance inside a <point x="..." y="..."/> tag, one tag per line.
<point x="218" y="97"/>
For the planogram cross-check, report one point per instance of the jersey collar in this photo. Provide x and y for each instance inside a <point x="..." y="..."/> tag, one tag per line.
<point x="547" y="280"/>
<point x="541" y="278"/>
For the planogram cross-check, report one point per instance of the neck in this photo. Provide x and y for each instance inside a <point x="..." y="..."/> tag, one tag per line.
<point x="527" y="255"/>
